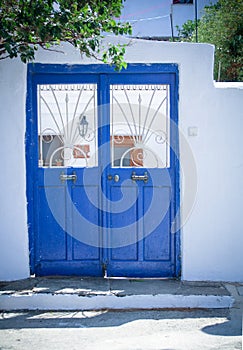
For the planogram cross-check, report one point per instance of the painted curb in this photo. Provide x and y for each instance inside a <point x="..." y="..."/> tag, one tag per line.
<point x="49" y="301"/>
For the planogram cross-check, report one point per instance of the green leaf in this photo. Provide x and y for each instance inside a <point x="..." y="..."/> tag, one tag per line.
<point x="222" y="26"/>
<point x="26" y="24"/>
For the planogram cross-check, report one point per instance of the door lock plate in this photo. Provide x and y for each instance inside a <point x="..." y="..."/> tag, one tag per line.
<point x="136" y="177"/>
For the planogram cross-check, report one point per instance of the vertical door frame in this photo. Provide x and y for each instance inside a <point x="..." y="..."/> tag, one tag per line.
<point x="38" y="71"/>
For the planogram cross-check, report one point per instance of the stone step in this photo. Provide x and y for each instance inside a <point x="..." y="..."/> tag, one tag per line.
<point x="76" y="293"/>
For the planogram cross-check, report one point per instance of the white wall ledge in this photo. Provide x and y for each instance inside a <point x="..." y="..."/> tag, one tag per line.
<point x="228" y="85"/>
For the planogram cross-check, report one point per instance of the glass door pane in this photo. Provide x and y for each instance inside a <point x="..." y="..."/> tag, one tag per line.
<point x="67" y="125"/>
<point x="140" y="121"/>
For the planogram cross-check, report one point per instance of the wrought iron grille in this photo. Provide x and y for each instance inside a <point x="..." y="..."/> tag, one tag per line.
<point x="140" y="121"/>
<point x="67" y="125"/>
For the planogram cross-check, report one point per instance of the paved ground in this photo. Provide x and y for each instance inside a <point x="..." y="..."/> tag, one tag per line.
<point x="184" y="329"/>
<point x="127" y="330"/>
<point x="118" y="286"/>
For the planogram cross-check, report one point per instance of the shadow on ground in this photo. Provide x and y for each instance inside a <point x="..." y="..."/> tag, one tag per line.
<point x="232" y="327"/>
<point x="105" y="318"/>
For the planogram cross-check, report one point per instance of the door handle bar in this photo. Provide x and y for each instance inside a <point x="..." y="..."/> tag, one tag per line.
<point x="143" y="178"/>
<point x="63" y="177"/>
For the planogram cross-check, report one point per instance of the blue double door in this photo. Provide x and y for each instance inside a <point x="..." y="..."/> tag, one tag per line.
<point x="103" y="171"/>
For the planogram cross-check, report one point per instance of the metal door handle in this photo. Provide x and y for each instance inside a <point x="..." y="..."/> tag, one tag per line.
<point x="143" y="178"/>
<point x="63" y="177"/>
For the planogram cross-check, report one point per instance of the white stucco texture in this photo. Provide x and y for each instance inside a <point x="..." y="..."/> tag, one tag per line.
<point x="211" y="238"/>
<point x="14" y="259"/>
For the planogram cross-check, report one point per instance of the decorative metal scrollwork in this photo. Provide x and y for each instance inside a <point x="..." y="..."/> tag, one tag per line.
<point x="67" y="125"/>
<point x="140" y="125"/>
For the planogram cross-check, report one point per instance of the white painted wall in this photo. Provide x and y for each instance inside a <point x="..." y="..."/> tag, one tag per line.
<point x="212" y="237"/>
<point x="13" y="215"/>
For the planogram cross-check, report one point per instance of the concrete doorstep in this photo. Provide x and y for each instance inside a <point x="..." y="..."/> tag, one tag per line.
<point x="76" y="293"/>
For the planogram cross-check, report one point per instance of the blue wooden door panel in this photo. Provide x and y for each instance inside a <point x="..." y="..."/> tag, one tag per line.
<point x="69" y="268"/>
<point x="84" y="208"/>
<point x="141" y="269"/>
<point x="119" y="240"/>
<point x="51" y="236"/>
<point x="80" y="227"/>
<point x="60" y="250"/>
<point x="157" y="244"/>
<point x="153" y="253"/>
